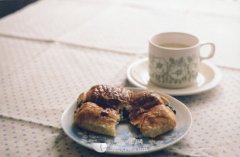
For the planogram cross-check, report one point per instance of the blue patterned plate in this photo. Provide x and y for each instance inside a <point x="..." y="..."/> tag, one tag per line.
<point x="128" y="140"/>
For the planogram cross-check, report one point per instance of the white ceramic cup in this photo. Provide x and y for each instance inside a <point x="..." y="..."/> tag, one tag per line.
<point x="174" y="59"/>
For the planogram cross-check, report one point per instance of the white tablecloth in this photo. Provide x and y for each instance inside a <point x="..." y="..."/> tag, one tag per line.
<point x="53" y="49"/>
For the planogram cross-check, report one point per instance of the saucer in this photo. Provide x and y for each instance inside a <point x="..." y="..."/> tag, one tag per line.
<point x="209" y="76"/>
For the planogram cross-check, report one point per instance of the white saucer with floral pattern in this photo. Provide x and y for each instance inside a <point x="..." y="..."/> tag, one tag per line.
<point x="129" y="140"/>
<point x="209" y="76"/>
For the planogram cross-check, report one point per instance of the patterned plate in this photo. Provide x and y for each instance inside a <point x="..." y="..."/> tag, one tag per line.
<point x="128" y="140"/>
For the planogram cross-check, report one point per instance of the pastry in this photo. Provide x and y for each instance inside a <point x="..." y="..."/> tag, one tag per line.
<point x="101" y="109"/>
<point x="152" y="114"/>
<point x="94" y="118"/>
<point x="157" y="120"/>
<point x="109" y="97"/>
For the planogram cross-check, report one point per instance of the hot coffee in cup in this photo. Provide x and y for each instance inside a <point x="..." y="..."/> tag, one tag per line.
<point x="174" y="59"/>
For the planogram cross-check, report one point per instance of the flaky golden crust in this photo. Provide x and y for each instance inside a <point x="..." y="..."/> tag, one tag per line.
<point x="92" y="117"/>
<point x="151" y="115"/>
<point x="142" y="102"/>
<point x="146" y="100"/>
<point x="108" y="96"/>
<point x="156" y="121"/>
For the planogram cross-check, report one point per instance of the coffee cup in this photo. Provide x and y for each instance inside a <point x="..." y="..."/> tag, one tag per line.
<point x="175" y="57"/>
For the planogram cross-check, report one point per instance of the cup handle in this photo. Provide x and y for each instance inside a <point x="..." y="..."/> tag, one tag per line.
<point x="211" y="52"/>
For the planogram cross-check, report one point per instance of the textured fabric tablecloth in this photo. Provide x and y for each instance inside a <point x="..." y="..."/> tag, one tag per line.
<point x="127" y="25"/>
<point x="54" y="49"/>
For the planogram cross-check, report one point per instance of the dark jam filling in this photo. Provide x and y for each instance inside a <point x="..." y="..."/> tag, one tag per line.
<point x="124" y="113"/>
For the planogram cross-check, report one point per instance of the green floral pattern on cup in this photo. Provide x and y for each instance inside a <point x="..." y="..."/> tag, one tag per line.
<point x="174" y="70"/>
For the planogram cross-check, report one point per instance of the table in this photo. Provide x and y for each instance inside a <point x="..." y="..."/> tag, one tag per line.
<point x="53" y="49"/>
